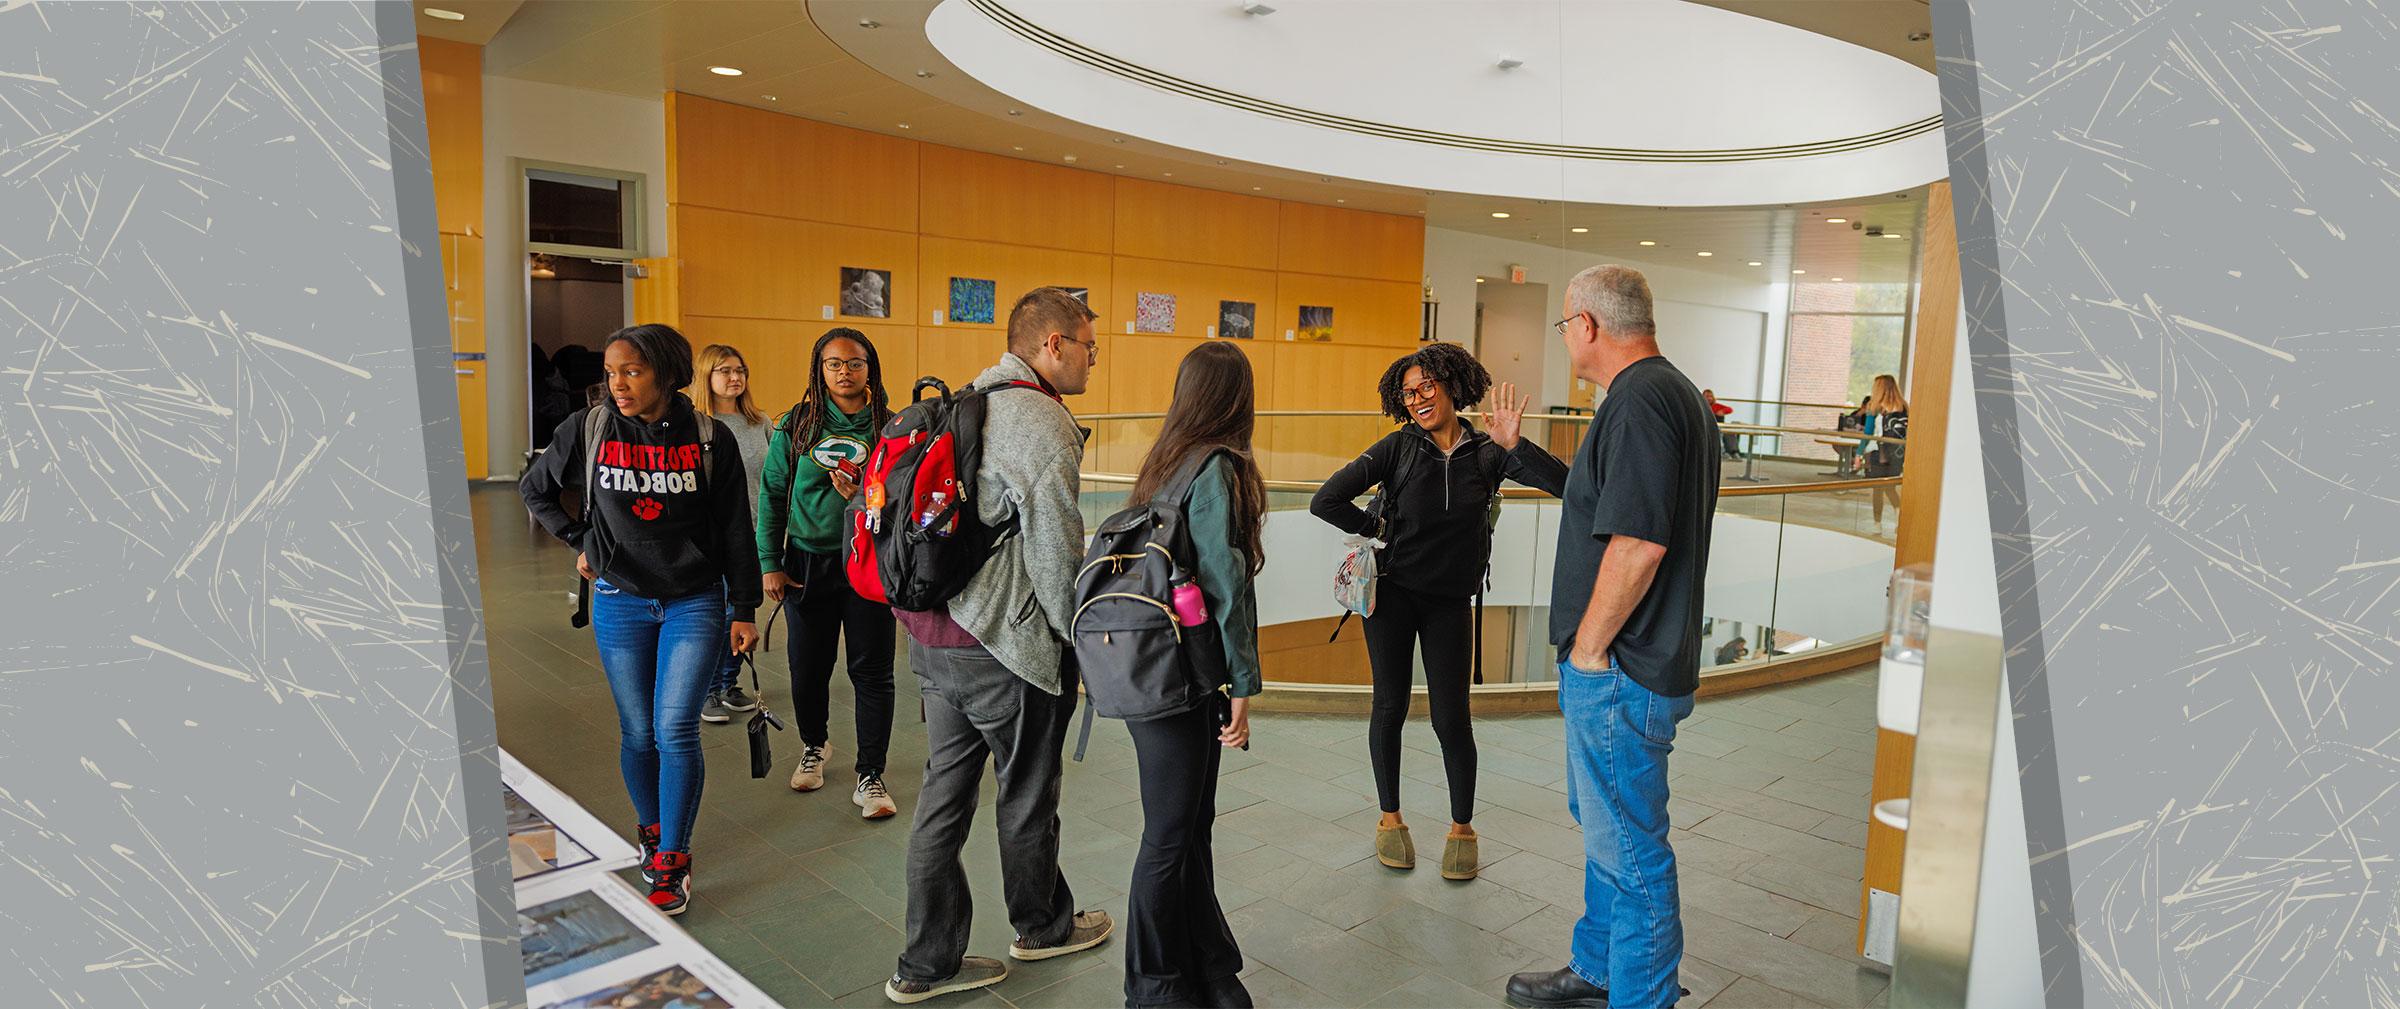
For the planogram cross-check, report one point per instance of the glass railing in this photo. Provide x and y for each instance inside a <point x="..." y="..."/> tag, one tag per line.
<point x="1799" y="557"/>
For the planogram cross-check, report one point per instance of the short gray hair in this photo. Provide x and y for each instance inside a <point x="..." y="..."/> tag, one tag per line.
<point x="1618" y="298"/>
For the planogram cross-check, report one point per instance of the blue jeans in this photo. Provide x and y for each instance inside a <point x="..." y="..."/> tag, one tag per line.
<point x="729" y="662"/>
<point x="660" y="655"/>
<point x="1630" y="938"/>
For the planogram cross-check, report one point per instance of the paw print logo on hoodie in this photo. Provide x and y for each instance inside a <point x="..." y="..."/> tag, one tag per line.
<point x="647" y="509"/>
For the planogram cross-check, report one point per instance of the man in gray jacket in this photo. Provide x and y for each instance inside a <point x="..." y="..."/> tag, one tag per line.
<point x="998" y="682"/>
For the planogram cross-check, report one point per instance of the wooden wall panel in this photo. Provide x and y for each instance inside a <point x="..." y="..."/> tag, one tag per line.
<point x="735" y="158"/>
<point x="777" y="352"/>
<point x="1158" y="220"/>
<point x="658" y="296"/>
<point x="966" y="194"/>
<point x="1384" y="313"/>
<point x="747" y="266"/>
<point x="1013" y="269"/>
<point x="1351" y="243"/>
<point x="474" y="416"/>
<point x="453" y="73"/>
<point x="957" y="355"/>
<point x="1197" y="289"/>
<point x="463" y="284"/>
<point x="1929" y="380"/>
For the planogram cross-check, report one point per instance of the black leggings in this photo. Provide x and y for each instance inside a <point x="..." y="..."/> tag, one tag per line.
<point x="816" y="626"/>
<point x="1402" y="620"/>
<point x="1176" y="939"/>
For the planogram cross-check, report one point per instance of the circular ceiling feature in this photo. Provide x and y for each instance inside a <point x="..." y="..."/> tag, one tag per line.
<point x="1691" y="106"/>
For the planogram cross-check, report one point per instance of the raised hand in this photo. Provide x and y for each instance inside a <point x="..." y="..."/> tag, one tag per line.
<point x="1508" y="415"/>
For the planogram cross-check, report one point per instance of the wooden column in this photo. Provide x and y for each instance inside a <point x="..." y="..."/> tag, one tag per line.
<point x="1920" y="501"/>
<point x="453" y="76"/>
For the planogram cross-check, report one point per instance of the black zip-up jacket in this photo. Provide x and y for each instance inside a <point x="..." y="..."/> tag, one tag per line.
<point x="1437" y="511"/>
<point x="650" y="528"/>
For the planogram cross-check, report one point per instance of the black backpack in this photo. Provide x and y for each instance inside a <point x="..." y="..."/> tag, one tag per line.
<point x="915" y="537"/>
<point x="1137" y="661"/>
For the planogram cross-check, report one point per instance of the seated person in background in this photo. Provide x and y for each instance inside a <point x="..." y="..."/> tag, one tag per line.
<point x="1734" y="651"/>
<point x="1718" y="412"/>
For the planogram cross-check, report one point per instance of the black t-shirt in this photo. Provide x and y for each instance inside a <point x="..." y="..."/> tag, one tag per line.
<point x="1647" y="469"/>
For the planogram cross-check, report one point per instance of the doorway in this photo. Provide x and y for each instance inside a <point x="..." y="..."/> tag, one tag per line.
<point x="581" y="227"/>
<point x="573" y="303"/>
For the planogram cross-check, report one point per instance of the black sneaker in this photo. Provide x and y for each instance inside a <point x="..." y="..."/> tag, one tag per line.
<point x="670" y="875"/>
<point x="973" y="972"/>
<point x="648" y="836"/>
<point x="715" y="712"/>
<point x="737" y="699"/>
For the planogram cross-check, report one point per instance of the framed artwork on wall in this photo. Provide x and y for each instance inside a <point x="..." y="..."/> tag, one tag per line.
<point x="1153" y="313"/>
<point x="1316" y="323"/>
<point x="866" y="293"/>
<point x="1237" y="320"/>
<point x="972" y="300"/>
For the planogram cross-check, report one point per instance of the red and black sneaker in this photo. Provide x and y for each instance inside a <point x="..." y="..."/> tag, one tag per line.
<point x="670" y="875"/>
<point x="647" y="834"/>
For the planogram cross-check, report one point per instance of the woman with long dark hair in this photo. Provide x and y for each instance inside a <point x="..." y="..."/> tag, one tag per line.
<point x="1178" y="949"/>
<point x="811" y="473"/>
<point x="665" y="539"/>
<point x="1439" y="481"/>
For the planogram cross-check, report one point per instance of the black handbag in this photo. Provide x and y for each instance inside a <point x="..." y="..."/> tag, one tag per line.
<point x="762" y="751"/>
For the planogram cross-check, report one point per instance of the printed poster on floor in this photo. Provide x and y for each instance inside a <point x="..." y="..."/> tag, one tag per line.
<point x="589" y="939"/>
<point x="549" y="833"/>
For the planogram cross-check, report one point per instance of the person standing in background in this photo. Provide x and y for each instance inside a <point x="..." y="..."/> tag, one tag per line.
<point x="1886" y="413"/>
<point x="1625" y="615"/>
<point x="722" y="383"/>
<point x="665" y="540"/>
<point x="811" y="474"/>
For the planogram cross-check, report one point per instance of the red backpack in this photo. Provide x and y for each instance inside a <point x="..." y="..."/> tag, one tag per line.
<point x="914" y="537"/>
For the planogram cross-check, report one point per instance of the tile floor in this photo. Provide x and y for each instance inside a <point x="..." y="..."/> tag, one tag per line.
<point x="806" y="899"/>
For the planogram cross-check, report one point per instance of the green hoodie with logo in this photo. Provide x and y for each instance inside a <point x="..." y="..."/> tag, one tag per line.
<point x="797" y="504"/>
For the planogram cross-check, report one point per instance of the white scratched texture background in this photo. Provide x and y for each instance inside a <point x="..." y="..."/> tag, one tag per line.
<point x="2180" y="227"/>
<point x="250" y="751"/>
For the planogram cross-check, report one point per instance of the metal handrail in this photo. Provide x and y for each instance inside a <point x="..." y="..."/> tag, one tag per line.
<point x="1531" y="493"/>
<point x="1483" y="414"/>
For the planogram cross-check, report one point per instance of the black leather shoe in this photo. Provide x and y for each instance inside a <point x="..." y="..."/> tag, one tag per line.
<point x="1226" y="993"/>
<point x="1557" y="989"/>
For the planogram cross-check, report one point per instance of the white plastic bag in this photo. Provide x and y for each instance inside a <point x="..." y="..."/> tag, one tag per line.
<point x="1354" y="580"/>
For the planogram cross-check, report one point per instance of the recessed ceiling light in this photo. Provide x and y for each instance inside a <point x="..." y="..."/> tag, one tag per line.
<point x="1256" y="9"/>
<point x="1500" y="214"/>
<point x="1120" y="166"/>
<point x="726" y="71"/>
<point x="1892" y="234"/>
<point x="1118" y="140"/>
<point x="869" y="23"/>
<point x="1648" y="242"/>
<point x="924" y="73"/>
<point x="904" y="126"/>
<point x="1016" y="112"/>
<point x="1919" y="36"/>
<point x="1837" y="220"/>
<point x="770" y="98"/>
<point x="1256" y="188"/>
<point x="1070" y="159"/>
<point x="1338" y="200"/>
<point x="1837" y="280"/>
<point x="1016" y="147"/>
<point x="1220" y="161"/>
<point x="1580" y="231"/>
<point x="439" y="14"/>
<point x="1705" y="255"/>
<point x="1798" y="272"/>
<point x="1479" y="280"/>
<point x="1510" y="63"/>
<point x="1756" y="263"/>
<point x="1166" y="175"/>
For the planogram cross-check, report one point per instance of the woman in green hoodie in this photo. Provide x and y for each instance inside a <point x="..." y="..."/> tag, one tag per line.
<point x="811" y="472"/>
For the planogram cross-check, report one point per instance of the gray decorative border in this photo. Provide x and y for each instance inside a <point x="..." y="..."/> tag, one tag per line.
<point x="2176" y="229"/>
<point x="251" y="750"/>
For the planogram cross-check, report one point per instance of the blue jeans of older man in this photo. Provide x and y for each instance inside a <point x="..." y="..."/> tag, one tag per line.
<point x="1630" y="938"/>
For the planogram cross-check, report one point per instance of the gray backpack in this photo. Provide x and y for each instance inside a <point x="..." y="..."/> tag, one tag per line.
<point x="1137" y="661"/>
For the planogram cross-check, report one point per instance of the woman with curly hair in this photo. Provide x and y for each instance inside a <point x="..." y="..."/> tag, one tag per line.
<point x="1438" y="481"/>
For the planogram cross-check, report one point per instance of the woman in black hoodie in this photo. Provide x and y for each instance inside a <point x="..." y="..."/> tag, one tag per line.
<point x="1439" y="481"/>
<point x="665" y="538"/>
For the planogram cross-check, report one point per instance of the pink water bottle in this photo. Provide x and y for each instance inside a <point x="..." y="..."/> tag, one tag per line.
<point x="1191" y="608"/>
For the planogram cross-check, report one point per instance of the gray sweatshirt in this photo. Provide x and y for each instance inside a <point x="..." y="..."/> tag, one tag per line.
<point x="1020" y="604"/>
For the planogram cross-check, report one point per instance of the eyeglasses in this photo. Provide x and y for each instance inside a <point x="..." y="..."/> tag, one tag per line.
<point x="1560" y="327"/>
<point x="735" y="371"/>
<point x="1091" y="347"/>
<point x="1422" y="390"/>
<point x="845" y="364"/>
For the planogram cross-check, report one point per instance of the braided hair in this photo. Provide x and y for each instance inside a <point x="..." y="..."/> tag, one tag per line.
<point x="1458" y="371"/>
<point x="808" y="416"/>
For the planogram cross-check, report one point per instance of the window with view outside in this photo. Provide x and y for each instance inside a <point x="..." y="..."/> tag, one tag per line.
<point x="1841" y="336"/>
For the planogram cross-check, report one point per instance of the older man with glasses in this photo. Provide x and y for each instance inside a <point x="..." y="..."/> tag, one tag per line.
<point x="1625" y="614"/>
